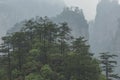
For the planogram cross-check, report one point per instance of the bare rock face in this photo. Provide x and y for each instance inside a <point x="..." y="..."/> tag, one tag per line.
<point x="105" y="26"/>
<point x="14" y="11"/>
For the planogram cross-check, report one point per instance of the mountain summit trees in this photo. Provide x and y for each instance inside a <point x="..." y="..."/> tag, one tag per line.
<point x="43" y="50"/>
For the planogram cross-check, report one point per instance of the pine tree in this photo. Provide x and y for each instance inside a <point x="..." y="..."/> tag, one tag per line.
<point x="5" y="49"/>
<point x="64" y="36"/>
<point x="79" y="63"/>
<point x="108" y="64"/>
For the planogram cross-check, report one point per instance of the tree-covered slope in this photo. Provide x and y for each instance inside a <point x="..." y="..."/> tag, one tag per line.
<point x="43" y="50"/>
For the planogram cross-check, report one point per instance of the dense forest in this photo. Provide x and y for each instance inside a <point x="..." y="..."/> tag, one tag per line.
<point x="63" y="45"/>
<point x="43" y="50"/>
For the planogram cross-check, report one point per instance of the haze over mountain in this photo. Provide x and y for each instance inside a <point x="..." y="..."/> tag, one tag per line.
<point x="75" y="19"/>
<point x="103" y="33"/>
<point x="105" y="26"/>
<point x="105" y="23"/>
<point x="14" y="11"/>
<point x="105" y="29"/>
<point x="73" y="16"/>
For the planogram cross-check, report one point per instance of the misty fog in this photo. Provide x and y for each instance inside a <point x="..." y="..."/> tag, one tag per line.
<point x="102" y="33"/>
<point x="14" y="11"/>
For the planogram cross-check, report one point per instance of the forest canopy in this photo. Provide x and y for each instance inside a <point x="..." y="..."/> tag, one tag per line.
<point x="43" y="50"/>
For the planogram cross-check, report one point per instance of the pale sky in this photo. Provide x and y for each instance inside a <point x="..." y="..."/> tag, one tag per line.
<point x="88" y="6"/>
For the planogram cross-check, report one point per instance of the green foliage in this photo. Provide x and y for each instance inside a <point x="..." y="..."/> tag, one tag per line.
<point x="108" y="65"/>
<point x="102" y="77"/>
<point x="43" y="50"/>
<point x="33" y="76"/>
<point x="80" y="63"/>
<point x="15" y="73"/>
<point x="2" y="74"/>
<point x="46" y="71"/>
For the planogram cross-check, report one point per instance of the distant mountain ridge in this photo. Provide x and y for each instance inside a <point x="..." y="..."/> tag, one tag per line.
<point x="75" y="19"/>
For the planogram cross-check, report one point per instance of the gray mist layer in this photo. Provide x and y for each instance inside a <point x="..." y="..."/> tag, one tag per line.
<point x="105" y="29"/>
<point x="73" y="16"/>
<point x="76" y="21"/>
<point x="14" y="11"/>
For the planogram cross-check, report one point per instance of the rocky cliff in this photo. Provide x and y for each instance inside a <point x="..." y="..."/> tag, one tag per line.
<point x="105" y="26"/>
